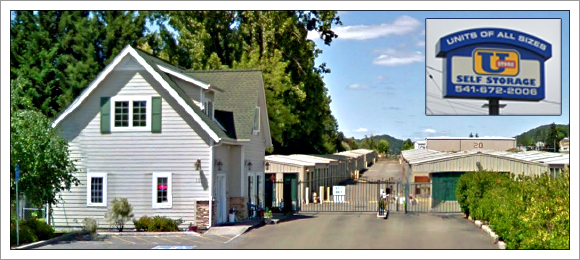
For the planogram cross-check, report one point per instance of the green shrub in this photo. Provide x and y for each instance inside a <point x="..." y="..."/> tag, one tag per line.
<point x="461" y="192"/>
<point x="90" y="224"/>
<point x="527" y="213"/>
<point x="161" y="224"/>
<point x="41" y="229"/>
<point x="26" y="235"/>
<point x="143" y="223"/>
<point x="120" y="213"/>
<point x="31" y="230"/>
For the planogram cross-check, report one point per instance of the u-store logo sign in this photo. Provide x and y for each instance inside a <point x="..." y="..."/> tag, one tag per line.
<point x="496" y="62"/>
<point x="493" y="63"/>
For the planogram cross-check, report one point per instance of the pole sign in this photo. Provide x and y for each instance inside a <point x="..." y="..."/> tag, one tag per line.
<point x="493" y="63"/>
<point x="17" y="173"/>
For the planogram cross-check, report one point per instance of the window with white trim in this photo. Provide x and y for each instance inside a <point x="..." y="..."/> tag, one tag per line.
<point x="131" y="113"/>
<point x="256" y="125"/>
<point x="97" y="189"/>
<point x="161" y="190"/>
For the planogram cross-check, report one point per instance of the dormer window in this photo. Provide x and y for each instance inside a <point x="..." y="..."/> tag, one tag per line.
<point x="209" y="108"/>
<point x="256" y="125"/>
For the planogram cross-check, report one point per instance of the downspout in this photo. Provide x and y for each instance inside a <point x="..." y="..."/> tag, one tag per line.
<point x="211" y="183"/>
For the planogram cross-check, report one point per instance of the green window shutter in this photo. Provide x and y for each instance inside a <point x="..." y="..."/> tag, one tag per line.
<point x="105" y="115"/>
<point x="156" y="115"/>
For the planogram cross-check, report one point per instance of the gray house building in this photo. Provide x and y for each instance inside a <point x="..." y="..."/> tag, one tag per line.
<point x="176" y="143"/>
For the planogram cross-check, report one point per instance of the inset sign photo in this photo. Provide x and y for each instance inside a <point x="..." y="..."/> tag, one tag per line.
<point x="493" y="67"/>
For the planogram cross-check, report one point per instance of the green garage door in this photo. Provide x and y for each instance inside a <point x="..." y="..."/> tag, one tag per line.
<point x="444" y="185"/>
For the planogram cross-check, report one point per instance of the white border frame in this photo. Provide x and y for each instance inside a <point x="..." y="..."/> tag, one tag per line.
<point x="169" y="203"/>
<point x="131" y="128"/>
<point x="91" y="175"/>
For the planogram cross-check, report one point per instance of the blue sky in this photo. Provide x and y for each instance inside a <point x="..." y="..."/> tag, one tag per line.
<point x="377" y="83"/>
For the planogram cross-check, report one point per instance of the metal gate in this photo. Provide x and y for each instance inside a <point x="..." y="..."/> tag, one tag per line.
<point x="358" y="196"/>
<point x="350" y="196"/>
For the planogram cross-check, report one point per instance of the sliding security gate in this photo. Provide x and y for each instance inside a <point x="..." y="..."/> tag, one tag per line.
<point x="437" y="196"/>
<point x="349" y="196"/>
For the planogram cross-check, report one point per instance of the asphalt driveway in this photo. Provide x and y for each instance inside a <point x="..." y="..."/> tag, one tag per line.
<point x="366" y="231"/>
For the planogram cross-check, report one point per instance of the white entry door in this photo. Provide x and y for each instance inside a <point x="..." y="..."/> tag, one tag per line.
<point x="221" y="199"/>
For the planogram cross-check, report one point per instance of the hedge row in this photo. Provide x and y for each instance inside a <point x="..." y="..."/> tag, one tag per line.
<point x="527" y="213"/>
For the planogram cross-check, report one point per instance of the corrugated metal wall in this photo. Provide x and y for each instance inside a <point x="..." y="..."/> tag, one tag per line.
<point x="491" y="163"/>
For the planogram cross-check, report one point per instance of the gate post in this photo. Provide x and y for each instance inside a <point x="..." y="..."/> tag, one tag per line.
<point x="406" y="195"/>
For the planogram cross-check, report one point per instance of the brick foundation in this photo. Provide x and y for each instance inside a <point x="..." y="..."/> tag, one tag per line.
<point x="240" y="204"/>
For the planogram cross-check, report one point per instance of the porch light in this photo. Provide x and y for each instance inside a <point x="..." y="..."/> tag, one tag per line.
<point x="219" y="165"/>
<point x="249" y="166"/>
<point x="267" y="164"/>
<point x="198" y="164"/>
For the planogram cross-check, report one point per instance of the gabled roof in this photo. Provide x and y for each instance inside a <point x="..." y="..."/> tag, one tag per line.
<point x="241" y="91"/>
<point x="150" y="64"/>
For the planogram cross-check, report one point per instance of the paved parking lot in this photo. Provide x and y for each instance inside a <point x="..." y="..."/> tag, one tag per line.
<point x="215" y="238"/>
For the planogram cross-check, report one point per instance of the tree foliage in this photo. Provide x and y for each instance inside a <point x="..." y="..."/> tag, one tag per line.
<point x="383" y="146"/>
<point x="541" y="133"/>
<point x="42" y="154"/>
<point x="56" y="54"/>
<point x="407" y="145"/>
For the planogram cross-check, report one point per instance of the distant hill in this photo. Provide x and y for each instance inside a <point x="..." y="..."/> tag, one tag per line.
<point x="394" y="143"/>
<point x="540" y="133"/>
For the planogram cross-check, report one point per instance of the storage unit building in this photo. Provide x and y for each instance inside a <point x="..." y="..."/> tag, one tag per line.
<point x="455" y="144"/>
<point x="443" y="169"/>
<point x="284" y="176"/>
<point x="359" y="159"/>
<point x="370" y="156"/>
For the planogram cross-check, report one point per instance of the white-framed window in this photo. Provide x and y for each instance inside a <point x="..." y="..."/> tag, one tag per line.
<point x="130" y="113"/>
<point x="208" y="108"/>
<point x="161" y="190"/>
<point x="97" y="189"/>
<point x="256" y="125"/>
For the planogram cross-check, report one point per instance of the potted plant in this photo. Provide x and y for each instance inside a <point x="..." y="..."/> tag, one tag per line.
<point x="232" y="216"/>
<point x="268" y="216"/>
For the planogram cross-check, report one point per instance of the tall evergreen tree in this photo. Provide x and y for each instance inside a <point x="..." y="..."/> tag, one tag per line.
<point x="58" y="53"/>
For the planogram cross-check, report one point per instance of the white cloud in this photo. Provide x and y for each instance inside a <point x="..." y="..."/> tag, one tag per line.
<point x="421" y="43"/>
<point x="392" y="57"/>
<point x="430" y="131"/>
<point x="361" y="130"/>
<point x="358" y="86"/>
<point x="402" y="25"/>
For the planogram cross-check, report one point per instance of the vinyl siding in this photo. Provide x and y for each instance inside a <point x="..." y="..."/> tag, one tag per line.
<point x="255" y="151"/>
<point x="130" y="158"/>
<point x="189" y="89"/>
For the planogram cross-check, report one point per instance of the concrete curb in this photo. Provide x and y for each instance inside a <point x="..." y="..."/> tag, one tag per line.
<point x="67" y="236"/>
<point x="144" y="233"/>
<point x="483" y="225"/>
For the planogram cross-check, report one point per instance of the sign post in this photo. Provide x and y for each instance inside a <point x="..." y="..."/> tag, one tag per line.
<point x="16" y="179"/>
